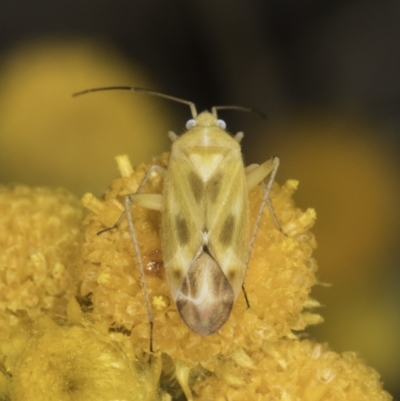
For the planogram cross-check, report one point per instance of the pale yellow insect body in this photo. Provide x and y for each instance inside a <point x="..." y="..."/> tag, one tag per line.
<point x="205" y="220"/>
<point x="205" y="217"/>
<point x="205" y="233"/>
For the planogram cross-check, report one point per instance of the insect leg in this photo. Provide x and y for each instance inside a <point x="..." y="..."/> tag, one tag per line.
<point x="116" y="225"/>
<point x="139" y="200"/>
<point x="254" y="175"/>
<point x="153" y="169"/>
<point x="149" y="201"/>
<point x="128" y="203"/>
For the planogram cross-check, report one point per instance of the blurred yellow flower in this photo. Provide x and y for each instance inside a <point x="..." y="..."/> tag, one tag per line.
<point x="46" y="136"/>
<point x="75" y="362"/>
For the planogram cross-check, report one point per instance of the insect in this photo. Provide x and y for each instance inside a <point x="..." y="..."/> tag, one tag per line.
<point x="206" y="239"/>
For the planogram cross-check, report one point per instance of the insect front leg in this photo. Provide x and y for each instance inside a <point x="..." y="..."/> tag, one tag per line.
<point x="148" y="201"/>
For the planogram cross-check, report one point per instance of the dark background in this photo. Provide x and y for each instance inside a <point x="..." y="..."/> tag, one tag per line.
<point x="312" y="66"/>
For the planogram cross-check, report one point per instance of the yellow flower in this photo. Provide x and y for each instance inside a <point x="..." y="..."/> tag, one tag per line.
<point x="98" y="349"/>
<point x="39" y="247"/>
<point x="75" y="362"/>
<point x="290" y="370"/>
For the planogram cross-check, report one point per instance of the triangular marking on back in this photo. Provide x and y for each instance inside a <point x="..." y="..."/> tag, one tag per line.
<point x="206" y="164"/>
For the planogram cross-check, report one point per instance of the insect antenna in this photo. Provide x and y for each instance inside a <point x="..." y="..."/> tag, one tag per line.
<point x="142" y="90"/>
<point x="240" y="108"/>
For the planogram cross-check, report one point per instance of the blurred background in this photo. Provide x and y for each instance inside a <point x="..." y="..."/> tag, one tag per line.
<point x="326" y="73"/>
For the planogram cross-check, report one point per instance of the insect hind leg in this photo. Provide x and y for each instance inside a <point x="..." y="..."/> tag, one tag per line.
<point x="151" y="201"/>
<point x="132" y="232"/>
<point x="254" y="175"/>
<point x="267" y="190"/>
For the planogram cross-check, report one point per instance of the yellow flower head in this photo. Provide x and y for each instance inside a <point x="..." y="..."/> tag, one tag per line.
<point x="40" y="241"/>
<point x="98" y="349"/>
<point x="289" y="370"/>
<point x="77" y="362"/>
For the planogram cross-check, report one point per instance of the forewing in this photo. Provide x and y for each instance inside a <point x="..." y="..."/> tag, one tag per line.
<point x="227" y="219"/>
<point x="182" y="219"/>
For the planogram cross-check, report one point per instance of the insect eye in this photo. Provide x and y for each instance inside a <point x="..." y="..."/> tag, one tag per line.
<point x="190" y="124"/>
<point x="221" y="124"/>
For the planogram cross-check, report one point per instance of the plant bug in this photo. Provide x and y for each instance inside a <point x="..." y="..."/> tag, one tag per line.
<point x="206" y="240"/>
